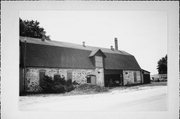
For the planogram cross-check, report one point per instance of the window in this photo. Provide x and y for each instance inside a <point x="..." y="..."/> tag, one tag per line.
<point x="88" y="79"/>
<point x="91" y="79"/>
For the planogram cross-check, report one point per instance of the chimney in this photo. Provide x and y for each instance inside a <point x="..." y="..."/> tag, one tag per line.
<point x="116" y="43"/>
<point x="84" y="44"/>
<point x="112" y="47"/>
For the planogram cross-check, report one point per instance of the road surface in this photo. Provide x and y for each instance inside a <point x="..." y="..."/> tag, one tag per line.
<point x="143" y="99"/>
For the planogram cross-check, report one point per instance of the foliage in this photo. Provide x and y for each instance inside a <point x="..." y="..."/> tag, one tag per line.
<point x="162" y="65"/>
<point x="47" y="84"/>
<point x="58" y="85"/>
<point x="75" y="83"/>
<point x="90" y="88"/>
<point x="59" y="79"/>
<point x="32" y="29"/>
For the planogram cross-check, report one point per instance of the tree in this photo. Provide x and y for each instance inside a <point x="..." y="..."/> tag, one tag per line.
<point x="32" y="29"/>
<point x="162" y="65"/>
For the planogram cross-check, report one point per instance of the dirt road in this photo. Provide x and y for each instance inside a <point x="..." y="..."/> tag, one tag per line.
<point x="143" y="99"/>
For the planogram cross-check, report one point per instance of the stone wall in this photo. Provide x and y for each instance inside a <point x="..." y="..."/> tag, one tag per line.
<point x="128" y="76"/>
<point x="32" y="80"/>
<point x="78" y="75"/>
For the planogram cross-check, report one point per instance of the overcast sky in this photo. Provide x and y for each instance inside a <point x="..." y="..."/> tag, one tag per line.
<point x="140" y="33"/>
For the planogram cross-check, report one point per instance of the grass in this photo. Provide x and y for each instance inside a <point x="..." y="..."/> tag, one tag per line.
<point x="88" y="89"/>
<point x="82" y="89"/>
<point x="85" y="89"/>
<point x="132" y="87"/>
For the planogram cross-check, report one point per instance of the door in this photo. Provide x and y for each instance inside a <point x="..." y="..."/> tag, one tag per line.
<point x="135" y="77"/>
<point x="93" y="80"/>
<point x="69" y="75"/>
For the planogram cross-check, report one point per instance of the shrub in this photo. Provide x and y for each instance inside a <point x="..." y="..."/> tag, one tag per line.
<point x="58" y="88"/>
<point x="69" y="85"/>
<point x="70" y="88"/>
<point x="58" y="85"/>
<point x="59" y="79"/>
<point x="47" y="84"/>
<point x="90" y="88"/>
<point x="75" y="83"/>
<point x="69" y="82"/>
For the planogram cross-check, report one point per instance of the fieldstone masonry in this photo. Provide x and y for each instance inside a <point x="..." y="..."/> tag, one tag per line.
<point x="128" y="76"/>
<point x="32" y="80"/>
<point x="78" y="75"/>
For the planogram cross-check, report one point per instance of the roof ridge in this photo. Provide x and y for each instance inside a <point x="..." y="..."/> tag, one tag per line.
<point x="70" y="45"/>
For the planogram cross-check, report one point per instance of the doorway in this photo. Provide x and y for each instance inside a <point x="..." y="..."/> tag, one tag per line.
<point x="113" y="80"/>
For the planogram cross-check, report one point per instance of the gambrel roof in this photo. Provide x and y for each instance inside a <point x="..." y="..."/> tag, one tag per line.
<point x="54" y="54"/>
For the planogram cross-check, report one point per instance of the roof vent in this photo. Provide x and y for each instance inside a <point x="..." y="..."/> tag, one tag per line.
<point x="84" y="44"/>
<point x="112" y="47"/>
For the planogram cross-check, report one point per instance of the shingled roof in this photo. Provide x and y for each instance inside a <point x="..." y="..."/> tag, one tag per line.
<point x="94" y="52"/>
<point x="68" y="55"/>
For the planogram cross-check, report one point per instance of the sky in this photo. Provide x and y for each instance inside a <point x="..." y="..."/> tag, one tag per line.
<point x="140" y="33"/>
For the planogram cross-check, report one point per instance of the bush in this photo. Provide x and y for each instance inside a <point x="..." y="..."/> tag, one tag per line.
<point x="59" y="79"/>
<point x="69" y="82"/>
<point x="47" y="84"/>
<point x="70" y="88"/>
<point x="75" y="83"/>
<point x="90" y="88"/>
<point x="58" y="85"/>
<point x="69" y="85"/>
<point x="58" y="88"/>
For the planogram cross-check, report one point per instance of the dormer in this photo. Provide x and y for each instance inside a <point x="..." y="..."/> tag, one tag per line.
<point x="97" y="57"/>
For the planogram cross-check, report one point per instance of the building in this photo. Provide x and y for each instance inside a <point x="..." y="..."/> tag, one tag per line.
<point x="146" y="76"/>
<point x="159" y="77"/>
<point x="80" y="63"/>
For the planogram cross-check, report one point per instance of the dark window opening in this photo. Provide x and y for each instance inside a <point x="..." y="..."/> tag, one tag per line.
<point x="88" y="79"/>
<point x="91" y="79"/>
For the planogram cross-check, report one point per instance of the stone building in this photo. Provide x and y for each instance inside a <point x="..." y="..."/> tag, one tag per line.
<point x="80" y="63"/>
